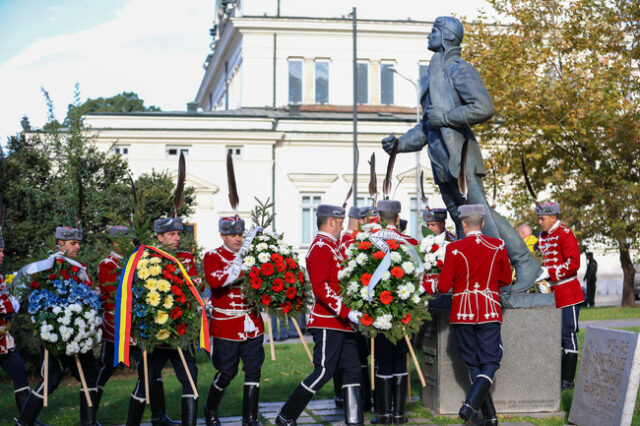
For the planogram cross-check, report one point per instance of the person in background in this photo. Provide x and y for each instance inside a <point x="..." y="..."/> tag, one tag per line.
<point x="526" y="233"/>
<point x="590" y="278"/>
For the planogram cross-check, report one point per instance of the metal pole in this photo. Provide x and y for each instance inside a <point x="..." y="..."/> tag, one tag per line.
<point x="355" y="108"/>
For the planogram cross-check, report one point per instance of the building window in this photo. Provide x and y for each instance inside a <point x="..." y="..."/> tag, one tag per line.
<point x="322" y="82"/>
<point x="236" y="150"/>
<point x="295" y="81"/>
<point x="414" y="219"/>
<point x="365" y="201"/>
<point x="363" y="83"/>
<point x="174" y="151"/>
<point x="386" y="84"/>
<point x="121" y="150"/>
<point x="191" y="229"/>
<point x="308" y="205"/>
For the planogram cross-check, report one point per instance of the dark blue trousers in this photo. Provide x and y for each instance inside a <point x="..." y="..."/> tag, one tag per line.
<point x="480" y="347"/>
<point x="57" y="367"/>
<point x="226" y="359"/>
<point x="156" y="361"/>
<point x="105" y="361"/>
<point x="333" y="349"/>
<point x="13" y="366"/>
<point x="391" y="359"/>
<point x="570" y="328"/>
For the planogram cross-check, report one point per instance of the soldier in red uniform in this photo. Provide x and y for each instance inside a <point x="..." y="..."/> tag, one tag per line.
<point x="476" y="267"/>
<point x="561" y="260"/>
<point x="435" y="220"/>
<point x="168" y="234"/>
<point x="236" y="326"/>
<point x="108" y="275"/>
<point x="391" y="369"/>
<point x="331" y="324"/>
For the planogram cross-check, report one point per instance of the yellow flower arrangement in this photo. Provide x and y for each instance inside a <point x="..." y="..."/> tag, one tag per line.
<point x="155" y="269"/>
<point x="9" y="278"/>
<point x="151" y="284"/>
<point x="168" y="302"/>
<point x="155" y="260"/>
<point x="162" y="334"/>
<point x="164" y="285"/>
<point x="161" y="317"/>
<point x="153" y="298"/>
<point x="143" y="273"/>
<point x="143" y="263"/>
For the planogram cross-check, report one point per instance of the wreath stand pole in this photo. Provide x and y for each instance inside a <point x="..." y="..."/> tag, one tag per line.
<point x="271" y="346"/>
<point x="373" y="364"/>
<point x="46" y="377"/>
<point x="415" y="360"/>
<point x="186" y="368"/>
<point x="304" y="342"/>
<point x="84" y="382"/>
<point x="408" y="380"/>
<point x="146" y="377"/>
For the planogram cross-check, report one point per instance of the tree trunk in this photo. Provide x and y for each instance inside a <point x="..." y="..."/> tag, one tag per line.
<point x="628" y="272"/>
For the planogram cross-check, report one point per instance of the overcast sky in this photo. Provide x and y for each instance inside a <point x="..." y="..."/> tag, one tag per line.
<point x="152" y="47"/>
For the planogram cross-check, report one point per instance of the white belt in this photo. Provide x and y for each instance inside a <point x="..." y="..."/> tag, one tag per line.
<point x="249" y="325"/>
<point x="564" y="281"/>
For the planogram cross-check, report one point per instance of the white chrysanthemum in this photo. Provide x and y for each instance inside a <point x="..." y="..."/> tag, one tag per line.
<point x="405" y="248"/>
<point x="75" y="307"/>
<point x="80" y="322"/>
<point x="274" y="249"/>
<point x="72" y="348"/>
<point x="349" y="253"/>
<point x="386" y="276"/>
<point x="426" y="243"/>
<point x="410" y="287"/>
<point x="263" y="257"/>
<point x="353" y="287"/>
<point x="408" y="267"/>
<point x="361" y="259"/>
<point x="403" y="292"/>
<point x="53" y="337"/>
<point x="415" y="298"/>
<point x="364" y="293"/>
<point x="262" y="246"/>
<point x="56" y="310"/>
<point x="426" y="303"/>
<point x="249" y="261"/>
<point x="343" y="273"/>
<point x="383" y="322"/>
<point x="65" y="320"/>
<point x="263" y="238"/>
<point x="362" y="236"/>
<point x="396" y="257"/>
<point x="285" y="250"/>
<point x="441" y="252"/>
<point x="351" y="264"/>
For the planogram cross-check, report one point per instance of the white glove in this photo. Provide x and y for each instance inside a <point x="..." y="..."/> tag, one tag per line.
<point x="543" y="288"/>
<point x="354" y="316"/>
<point x="421" y="289"/>
<point x="543" y="275"/>
<point x="15" y="303"/>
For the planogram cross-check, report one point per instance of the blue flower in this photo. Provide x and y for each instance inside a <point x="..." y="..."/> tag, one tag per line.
<point x="143" y="326"/>
<point x="138" y="292"/>
<point x="139" y="310"/>
<point x="143" y="335"/>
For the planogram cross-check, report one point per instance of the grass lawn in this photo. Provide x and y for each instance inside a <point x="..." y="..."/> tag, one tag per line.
<point x="608" y="312"/>
<point x="279" y="378"/>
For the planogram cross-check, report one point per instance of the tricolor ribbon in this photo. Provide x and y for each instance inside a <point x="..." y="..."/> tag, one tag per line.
<point x="124" y="298"/>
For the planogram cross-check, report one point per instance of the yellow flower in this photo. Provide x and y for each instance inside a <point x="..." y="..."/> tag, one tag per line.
<point x="8" y="278"/>
<point x="143" y="263"/>
<point x="145" y="254"/>
<point x="162" y="334"/>
<point x="161" y="317"/>
<point x="151" y="284"/>
<point x="164" y="285"/>
<point x="153" y="298"/>
<point x="168" y="302"/>
<point x="155" y="260"/>
<point x="143" y="273"/>
<point x="155" y="269"/>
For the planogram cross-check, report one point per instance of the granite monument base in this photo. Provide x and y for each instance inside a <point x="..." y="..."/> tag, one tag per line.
<point x="529" y="377"/>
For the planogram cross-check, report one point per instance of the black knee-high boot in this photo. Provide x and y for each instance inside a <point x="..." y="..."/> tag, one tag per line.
<point x="158" y="407"/>
<point x="399" y="399"/>
<point x="489" y="416"/>
<point x="211" y="406"/>
<point x="568" y="369"/>
<point x="30" y="410"/>
<point x="250" y="401"/>
<point x="189" y="410"/>
<point x="470" y="410"/>
<point x="294" y="406"/>
<point x="383" y="401"/>
<point x="352" y="406"/>
<point x="136" y="410"/>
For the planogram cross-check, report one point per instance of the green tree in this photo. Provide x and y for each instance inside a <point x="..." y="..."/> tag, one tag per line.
<point x="123" y="102"/>
<point x="563" y="77"/>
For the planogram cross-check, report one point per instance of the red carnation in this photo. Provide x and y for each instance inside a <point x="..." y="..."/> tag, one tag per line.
<point x="298" y="304"/>
<point x="290" y="277"/>
<point x="277" y="258"/>
<point x="291" y="263"/>
<point x="53" y="276"/>
<point x="64" y="274"/>
<point x="281" y="267"/>
<point x="378" y="255"/>
<point x="109" y="288"/>
<point x="365" y="278"/>
<point x="60" y="261"/>
<point x="393" y="244"/>
<point x="169" y="267"/>
<point x="434" y="248"/>
<point x="386" y="297"/>
<point x="291" y="292"/>
<point x="301" y="276"/>
<point x="439" y="263"/>
<point x="181" y="328"/>
<point x="255" y="271"/>
<point x="266" y="300"/>
<point x="256" y="283"/>
<point x="364" y="245"/>
<point x="76" y="279"/>
<point x="175" y="313"/>
<point x="366" y="320"/>
<point x="286" y="307"/>
<point x="109" y="306"/>
<point x="278" y="285"/>
<point x="74" y="269"/>
<point x="267" y="269"/>
<point x="406" y="319"/>
<point x="34" y="284"/>
<point x="397" y="272"/>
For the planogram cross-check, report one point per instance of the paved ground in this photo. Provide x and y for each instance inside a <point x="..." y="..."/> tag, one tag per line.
<point x="614" y="323"/>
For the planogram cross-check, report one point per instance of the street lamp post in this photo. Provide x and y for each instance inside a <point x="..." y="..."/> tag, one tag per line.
<point x="416" y="86"/>
<point x="355" y="106"/>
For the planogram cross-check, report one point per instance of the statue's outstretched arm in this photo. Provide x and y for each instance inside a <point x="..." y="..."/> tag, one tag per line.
<point x="411" y="141"/>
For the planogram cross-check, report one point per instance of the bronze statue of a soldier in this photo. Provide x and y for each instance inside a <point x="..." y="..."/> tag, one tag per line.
<point x="454" y="98"/>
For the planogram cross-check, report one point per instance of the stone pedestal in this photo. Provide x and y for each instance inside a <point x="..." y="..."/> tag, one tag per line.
<point x="528" y="380"/>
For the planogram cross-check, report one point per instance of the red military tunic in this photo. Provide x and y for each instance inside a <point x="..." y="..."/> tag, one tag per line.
<point x="230" y="306"/>
<point x="323" y="263"/>
<point x="189" y="264"/>
<point x="561" y="257"/>
<point x="475" y="266"/>
<point x="6" y="308"/>
<point x="347" y="238"/>
<point x="409" y="239"/>
<point x="108" y="275"/>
